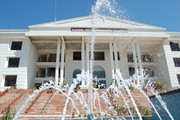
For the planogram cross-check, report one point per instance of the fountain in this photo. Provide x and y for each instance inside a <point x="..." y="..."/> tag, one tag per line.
<point x="119" y="84"/>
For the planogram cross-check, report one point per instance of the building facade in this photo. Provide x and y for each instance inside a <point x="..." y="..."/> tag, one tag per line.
<point x="59" y="50"/>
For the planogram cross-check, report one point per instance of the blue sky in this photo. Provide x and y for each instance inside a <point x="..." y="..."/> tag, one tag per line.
<point x="19" y="14"/>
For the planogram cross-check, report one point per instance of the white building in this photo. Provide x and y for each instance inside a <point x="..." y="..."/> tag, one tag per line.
<point x="59" y="50"/>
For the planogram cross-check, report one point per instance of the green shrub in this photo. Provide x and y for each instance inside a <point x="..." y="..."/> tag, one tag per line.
<point x="131" y="87"/>
<point x="94" y="85"/>
<point x="122" y="110"/>
<point x="64" y="84"/>
<point x="159" y="85"/>
<point x="148" y="113"/>
<point x="14" y="86"/>
<point x="9" y="114"/>
<point x="144" y="110"/>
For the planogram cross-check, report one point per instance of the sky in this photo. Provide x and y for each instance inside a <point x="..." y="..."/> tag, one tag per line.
<point x="19" y="14"/>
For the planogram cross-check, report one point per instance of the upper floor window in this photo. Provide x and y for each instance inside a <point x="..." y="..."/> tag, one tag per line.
<point x="174" y="46"/>
<point x="52" y="58"/>
<point x="10" y="80"/>
<point x="76" y="55"/>
<point x="16" y="45"/>
<point x="49" y="57"/>
<point x="146" y="57"/>
<point x="42" y="58"/>
<point x="118" y="56"/>
<point x="13" y="62"/>
<point x="130" y="57"/>
<point x="176" y="62"/>
<point x="99" y="56"/>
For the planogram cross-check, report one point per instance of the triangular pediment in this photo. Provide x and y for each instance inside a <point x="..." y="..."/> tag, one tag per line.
<point x="98" y="22"/>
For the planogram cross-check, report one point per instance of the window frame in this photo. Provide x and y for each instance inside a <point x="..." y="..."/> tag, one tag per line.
<point x="174" y="46"/>
<point x="146" y="57"/>
<point x="130" y="57"/>
<point x="6" y="83"/>
<point x="99" y="57"/>
<point x="131" y="70"/>
<point x="176" y="62"/>
<point x="13" y="65"/>
<point x="16" y="45"/>
<point x="78" y="56"/>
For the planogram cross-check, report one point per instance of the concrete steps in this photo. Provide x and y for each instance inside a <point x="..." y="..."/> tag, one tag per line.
<point x="17" y="105"/>
<point x="36" y="108"/>
<point x="57" y="104"/>
<point x="38" y="105"/>
<point x="140" y="99"/>
<point x="10" y="99"/>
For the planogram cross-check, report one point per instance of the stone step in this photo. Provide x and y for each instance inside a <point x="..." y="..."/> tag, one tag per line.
<point x="39" y="104"/>
<point x="9" y="99"/>
<point x="56" y="106"/>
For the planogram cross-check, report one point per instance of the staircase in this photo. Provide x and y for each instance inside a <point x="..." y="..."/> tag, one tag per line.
<point x="13" y="99"/>
<point x="41" y="107"/>
<point x="37" y="106"/>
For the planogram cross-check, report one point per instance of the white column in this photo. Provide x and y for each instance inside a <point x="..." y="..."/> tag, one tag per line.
<point x="135" y="59"/>
<point x="87" y="56"/>
<point x="62" y="61"/>
<point x="115" y="56"/>
<point x="139" y="59"/>
<point x="82" y="60"/>
<point x="57" y="61"/>
<point x="46" y="72"/>
<point x="111" y="59"/>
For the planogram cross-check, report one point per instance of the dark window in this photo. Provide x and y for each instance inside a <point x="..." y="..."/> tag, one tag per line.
<point x="37" y="85"/>
<point x="147" y="57"/>
<point x="101" y="84"/>
<point x="148" y="71"/>
<point x="130" y="57"/>
<point x="174" y="46"/>
<point x="42" y="58"/>
<point x="77" y="71"/>
<point x="41" y="72"/>
<point x="13" y="62"/>
<point x="76" y="55"/>
<point x="131" y="71"/>
<point x="52" y="58"/>
<point x="118" y="56"/>
<point x="99" y="72"/>
<point x="10" y="80"/>
<point x="99" y="56"/>
<point x="178" y="77"/>
<point x="176" y="62"/>
<point x="16" y="45"/>
<point x="51" y="72"/>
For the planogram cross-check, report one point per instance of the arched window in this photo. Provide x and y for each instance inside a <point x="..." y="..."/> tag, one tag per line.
<point x="76" y="71"/>
<point x="99" y="72"/>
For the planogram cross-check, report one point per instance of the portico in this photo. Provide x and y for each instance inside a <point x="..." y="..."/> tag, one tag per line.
<point x="72" y="53"/>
